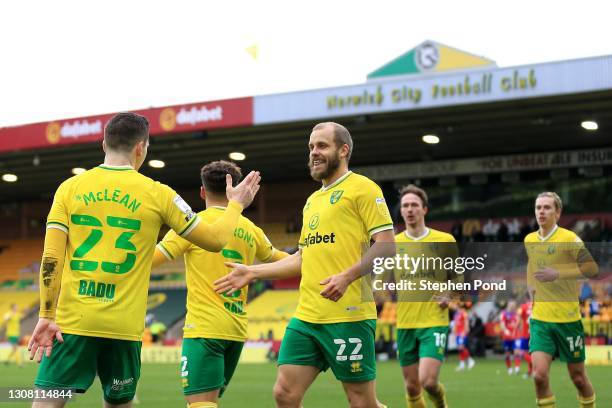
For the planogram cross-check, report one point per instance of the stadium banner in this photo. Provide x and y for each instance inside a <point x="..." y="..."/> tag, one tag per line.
<point x="254" y="352"/>
<point x="412" y="92"/>
<point x="491" y="164"/>
<point x="599" y="355"/>
<point x="161" y="354"/>
<point x="163" y="120"/>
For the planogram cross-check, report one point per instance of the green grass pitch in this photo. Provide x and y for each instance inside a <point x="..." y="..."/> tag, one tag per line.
<point x="486" y="385"/>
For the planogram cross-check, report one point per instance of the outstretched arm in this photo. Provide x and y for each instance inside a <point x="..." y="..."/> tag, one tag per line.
<point x="242" y="275"/>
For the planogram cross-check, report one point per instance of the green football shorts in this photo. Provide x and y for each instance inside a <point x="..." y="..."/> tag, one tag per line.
<point x="75" y="363"/>
<point x="413" y="344"/>
<point x="208" y="364"/>
<point x="348" y="348"/>
<point x="563" y="340"/>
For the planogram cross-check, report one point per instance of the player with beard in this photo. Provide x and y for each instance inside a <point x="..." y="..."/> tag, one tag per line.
<point x="333" y="326"/>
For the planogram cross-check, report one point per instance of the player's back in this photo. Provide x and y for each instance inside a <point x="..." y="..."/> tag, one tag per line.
<point x="112" y="216"/>
<point x="211" y="315"/>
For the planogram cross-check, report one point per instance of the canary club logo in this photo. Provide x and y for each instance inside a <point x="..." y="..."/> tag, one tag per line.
<point x="335" y="196"/>
<point x="427" y="56"/>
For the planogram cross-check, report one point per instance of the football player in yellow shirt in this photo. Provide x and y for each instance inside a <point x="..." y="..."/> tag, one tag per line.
<point x="13" y="332"/>
<point x="557" y="260"/>
<point x="422" y="318"/>
<point x="99" y="244"/>
<point x="334" y="324"/>
<point x="216" y="325"/>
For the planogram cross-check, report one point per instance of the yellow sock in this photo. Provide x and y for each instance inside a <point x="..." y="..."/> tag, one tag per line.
<point x="438" y="398"/>
<point x="416" y="402"/>
<point x="205" y="404"/>
<point x="18" y="357"/>
<point x="587" y="402"/>
<point x="548" y="402"/>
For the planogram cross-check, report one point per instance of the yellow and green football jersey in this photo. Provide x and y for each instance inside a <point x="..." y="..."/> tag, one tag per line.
<point x="13" y="324"/>
<point x="112" y="216"/>
<point x="555" y="301"/>
<point x="412" y="311"/>
<point x="209" y="314"/>
<point x="338" y="222"/>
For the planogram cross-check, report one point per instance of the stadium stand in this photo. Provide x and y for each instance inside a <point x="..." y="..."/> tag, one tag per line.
<point x="167" y="305"/>
<point x="18" y="257"/>
<point x="269" y="314"/>
<point x="388" y="314"/>
<point x="278" y="234"/>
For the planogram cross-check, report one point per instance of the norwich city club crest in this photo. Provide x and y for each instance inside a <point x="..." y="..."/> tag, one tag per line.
<point x="335" y="196"/>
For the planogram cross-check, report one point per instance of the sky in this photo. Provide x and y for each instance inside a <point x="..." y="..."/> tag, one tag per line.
<point x="62" y="59"/>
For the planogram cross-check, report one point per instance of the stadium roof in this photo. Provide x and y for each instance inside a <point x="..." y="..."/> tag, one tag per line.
<point x="477" y="112"/>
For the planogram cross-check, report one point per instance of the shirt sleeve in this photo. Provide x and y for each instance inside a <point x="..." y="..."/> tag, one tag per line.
<point x="173" y="246"/>
<point x="373" y="210"/>
<point x="579" y="251"/>
<point x="264" y="250"/>
<point x="304" y="229"/>
<point x="452" y="250"/>
<point x="176" y="213"/>
<point x="59" y="214"/>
